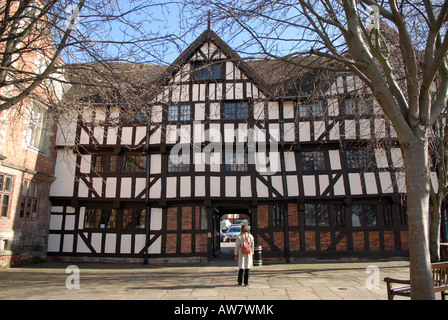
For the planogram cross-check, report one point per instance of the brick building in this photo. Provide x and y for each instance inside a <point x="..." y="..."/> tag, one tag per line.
<point x="224" y="136"/>
<point x="27" y="142"/>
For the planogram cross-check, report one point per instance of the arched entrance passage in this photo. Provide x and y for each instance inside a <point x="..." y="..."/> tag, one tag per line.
<point x="218" y="214"/>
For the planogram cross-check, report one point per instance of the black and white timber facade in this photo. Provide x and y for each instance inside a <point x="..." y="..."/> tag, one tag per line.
<point x="220" y="141"/>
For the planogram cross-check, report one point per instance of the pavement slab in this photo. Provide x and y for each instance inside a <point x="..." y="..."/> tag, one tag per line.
<point x="317" y="280"/>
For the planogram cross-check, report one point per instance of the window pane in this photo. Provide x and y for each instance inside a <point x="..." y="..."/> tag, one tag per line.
<point x="340" y="215"/>
<point x="8" y="184"/>
<point x="356" y="215"/>
<point x="90" y="218"/>
<point x="127" y="218"/>
<point x="236" y="162"/>
<point x="34" y="211"/>
<point x="179" y="163"/>
<point x="207" y="72"/>
<point x="134" y="163"/>
<point x="108" y="219"/>
<point x="313" y="161"/>
<point x="184" y="112"/>
<point x="172" y="113"/>
<point x="204" y="221"/>
<point x="36" y="190"/>
<point x="32" y="188"/>
<point x="236" y="111"/>
<point x="277" y="215"/>
<point x="310" y="215"/>
<point x="322" y="215"/>
<point x="370" y="215"/>
<point x="22" y="208"/>
<point x="139" y="218"/>
<point x="25" y="188"/>
<point x="5" y="205"/>
<point x="350" y="107"/>
<point x="28" y="208"/>
<point x="105" y="163"/>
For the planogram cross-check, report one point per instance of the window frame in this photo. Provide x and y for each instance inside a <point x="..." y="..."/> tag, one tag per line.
<point x="182" y="166"/>
<point x="108" y="216"/>
<point x="360" y="159"/>
<point x="35" y="132"/>
<point x="356" y="107"/>
<point x="317" y="160"/>
<point x="232" y="110"/>
<point x="207" y="71"/>
<point x="277" y="216"/>
<point x="311" y="110"/>
<point x="131" y="159"/>
<point x="362" y="215"/>
<point x="5" y="193"/>
<point x="234" y="166"/>
<point x="110" y="163"/>
<point x="179" y="112"/>
<point x="30" y="199"/>
<point x="131" y="217"/>
<point x="316" y="219"/>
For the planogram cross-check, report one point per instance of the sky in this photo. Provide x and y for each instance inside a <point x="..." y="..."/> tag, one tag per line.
<point x="156" y="23"/>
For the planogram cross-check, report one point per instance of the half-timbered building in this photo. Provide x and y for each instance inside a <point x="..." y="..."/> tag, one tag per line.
<point x="219" y="136"/>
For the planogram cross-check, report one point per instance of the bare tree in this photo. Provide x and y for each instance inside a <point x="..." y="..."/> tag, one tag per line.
<point x="40" y="39"/>
<point x="402" y="59"/>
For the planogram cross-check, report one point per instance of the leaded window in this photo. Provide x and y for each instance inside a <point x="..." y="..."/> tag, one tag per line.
<point x="313" y="161"/>
<point x="236" y="161"/>
<point x="180" y="112"/>
<point x="105" y="163"/>
<point x="236" y="110"/>
<point x="356" y="107"/>
<point x="316" y="215"/>
<point x="203" y="71"/>
<point x="277" y="215"/>
<point x="311" y="110"/>
<point x="360" y="158"/>
<point x="29" y="202"/>
<point x="100" y="219"/>
<point x="363" y="215"/>
<point x="5" y="194"/>
<point x="179" y="163"/>
<point x="134" y="218"/>
<point x="134" y="163"/>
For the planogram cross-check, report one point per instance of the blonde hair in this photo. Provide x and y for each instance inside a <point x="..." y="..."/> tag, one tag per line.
<point x="245" y="228"/>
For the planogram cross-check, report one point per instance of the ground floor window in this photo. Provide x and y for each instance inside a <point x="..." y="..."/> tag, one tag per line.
<point x="316" y="215"/>
<point x="363" y="215"/>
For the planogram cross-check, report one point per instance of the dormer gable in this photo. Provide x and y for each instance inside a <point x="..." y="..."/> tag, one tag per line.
<point x="209" y="58"/>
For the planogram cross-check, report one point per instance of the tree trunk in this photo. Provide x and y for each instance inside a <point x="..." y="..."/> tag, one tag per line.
<point x="415" y="154"/>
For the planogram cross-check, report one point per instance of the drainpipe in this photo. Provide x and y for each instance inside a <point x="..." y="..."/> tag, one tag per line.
<point x="148" y="207"/>
<point x="285" y="187"/>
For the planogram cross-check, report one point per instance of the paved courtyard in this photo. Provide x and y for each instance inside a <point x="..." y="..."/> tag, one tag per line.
<point x="215" y="280"/>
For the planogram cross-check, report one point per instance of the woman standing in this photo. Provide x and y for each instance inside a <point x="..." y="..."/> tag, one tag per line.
<point x="244" y="250"/>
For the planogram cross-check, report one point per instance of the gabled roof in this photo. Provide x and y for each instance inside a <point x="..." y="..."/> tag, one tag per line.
<point x="210" y="35"/>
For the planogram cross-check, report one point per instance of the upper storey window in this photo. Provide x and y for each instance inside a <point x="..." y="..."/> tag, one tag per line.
<point x="236" y="110"/>
<point x="311" y="110"/>
<point x="355" y="107"/>
<point x="179" y="112"/>
<point x="207" y="71"/>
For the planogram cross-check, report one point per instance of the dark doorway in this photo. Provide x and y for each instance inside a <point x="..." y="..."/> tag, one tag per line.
<point x="234" y="215"/>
